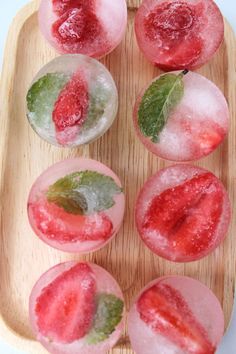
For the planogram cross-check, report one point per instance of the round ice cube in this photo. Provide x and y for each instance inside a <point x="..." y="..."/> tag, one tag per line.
<point x="91" y="27"/>
<point x="176" y="315"/>
<point x="76" y="205"/>
<point x="183" y="213"/>
<point x="73" y="100"/>
<point x="181" y="116"/>
<point x="179" y="34"/>
<point x="77" y="308"/>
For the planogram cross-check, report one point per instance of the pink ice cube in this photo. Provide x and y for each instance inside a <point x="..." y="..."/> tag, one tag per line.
<point x="72" y="308"/>
<point x="176" y="315"/>
<point x="72" y="101"/>
<point x="179" y="34"/>
<point x="195" y="127"/>
<point x="76" y="205"/>
<point x="183" y="213"/>
<point x="93" y="27"/>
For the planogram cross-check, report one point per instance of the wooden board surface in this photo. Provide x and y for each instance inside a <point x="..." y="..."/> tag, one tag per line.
<point x="23" y="156"/>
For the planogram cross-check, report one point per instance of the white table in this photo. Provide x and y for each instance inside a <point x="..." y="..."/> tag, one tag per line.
<point x="7" y="11"/>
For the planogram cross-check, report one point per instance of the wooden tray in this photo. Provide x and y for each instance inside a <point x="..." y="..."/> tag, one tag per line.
<point x="23" y="257"/>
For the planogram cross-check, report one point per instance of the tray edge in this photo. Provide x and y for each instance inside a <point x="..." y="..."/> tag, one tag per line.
<point x="6" y="85"/>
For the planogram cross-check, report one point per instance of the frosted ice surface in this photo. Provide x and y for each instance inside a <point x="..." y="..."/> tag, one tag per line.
<point x="205" y="99"/>
<point x="174" y="143"/>
<point x="114" y="24"/>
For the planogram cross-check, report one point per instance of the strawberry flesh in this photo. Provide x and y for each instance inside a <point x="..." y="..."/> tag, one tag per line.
<point x="77" y="27"/>
<point x="66" y="307"/>
<point x="163" y="309"/>
<point x="62" y="6"/>
<point x="187" y="215"/>
<point x="175" y="24"/>
<point x="71" y="107"/>
<point x="186" y="52"/>
<point x="58" y="225"/>
<point x="206" y="135"/>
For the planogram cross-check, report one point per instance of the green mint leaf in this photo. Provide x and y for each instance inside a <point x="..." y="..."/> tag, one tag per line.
<point x="42" y="96"/>
<point x="65" y="194"/>
<point x="84" y="192"/>
<point x="99" y="96"/>
<point x="159" y="100"/>
<point x="108" y="316"/>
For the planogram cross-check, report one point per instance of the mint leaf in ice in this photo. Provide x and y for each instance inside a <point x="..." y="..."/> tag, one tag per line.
<point x="108" y="316"/>
<point x="84" y="192"/>
<point x="159" y="100"/>
<point x="42" y="95"/>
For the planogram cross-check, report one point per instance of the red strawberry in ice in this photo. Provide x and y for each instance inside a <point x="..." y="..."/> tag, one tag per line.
<point x="173" y="21"/>
<point x="179" y="34"/>
<point x="76" y="26"/>
<point x="205" y="134"/>
<point x="57" y="225"/>
<point x="174" y="314"/>
<point x="72" y="101"/>
<point x="164" y="309"/>
<point x="66" y="307"/>
<point x="188" y="214"/>
<point x="186" y="219"/>
<point x="61" y="6"/>
<point x="90" y="27"/>
<point x="71" y="108"/>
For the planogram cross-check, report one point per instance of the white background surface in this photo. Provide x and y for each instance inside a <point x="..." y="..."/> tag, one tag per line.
<point x="8" y="8"/>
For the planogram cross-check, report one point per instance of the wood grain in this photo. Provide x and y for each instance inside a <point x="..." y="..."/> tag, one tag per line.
<point x="23" y="257"/>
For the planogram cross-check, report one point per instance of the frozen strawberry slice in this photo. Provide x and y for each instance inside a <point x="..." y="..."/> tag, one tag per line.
<point x="164" y="309"/>
<point x="62" y="6"/>
<point x="206" y="134"/>
<point x="188" y="214"/>
<point x="77" y="26"/>
<point x="195" y="231"/>
<point x="183" y="213"/>
<point x="58" y="225"/>
<point x="169" y="18"/>
<point x="66" y="306"/>
<point x="89" y="27"/>
<point x="71" y="108"/>
<point x="76" y="308"/>
<point x="176" y="25"/>
<point x="178" y="34"/>
<point x="209" y="137"/>
<point x="175" y="314"/>
<point x="72" y="104"/>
